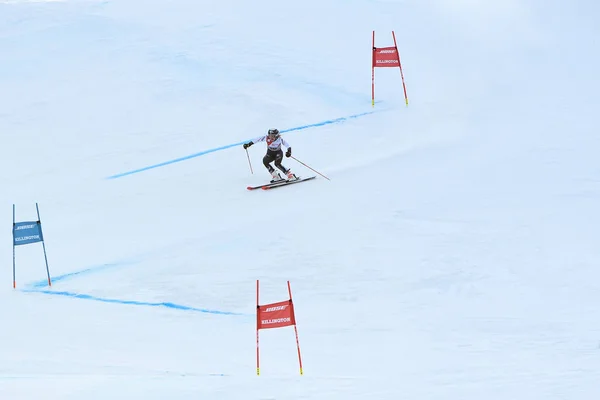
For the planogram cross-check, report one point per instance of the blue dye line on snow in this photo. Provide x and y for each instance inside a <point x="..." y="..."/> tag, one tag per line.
<point x="132" y="302"/>
<point x="42" y="283"/>
<point x="329" y="122"/>
<point x="180" y="159"/>
<point x="40" y="287"/>
<point x="166" y="373"/>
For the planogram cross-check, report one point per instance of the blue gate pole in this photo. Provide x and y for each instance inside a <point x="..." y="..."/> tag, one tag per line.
<point x="43" y="244"/>
<point x="14" y="278"/>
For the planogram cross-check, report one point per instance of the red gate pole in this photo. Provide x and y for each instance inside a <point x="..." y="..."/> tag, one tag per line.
<point x="257" y="324"/>
<point x="400" y="65"/>
<point x="373" y="73"/>
<point x="295" y="330"/>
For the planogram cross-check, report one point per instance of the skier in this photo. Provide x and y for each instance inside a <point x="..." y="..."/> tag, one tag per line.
<point x="274" y="153"/>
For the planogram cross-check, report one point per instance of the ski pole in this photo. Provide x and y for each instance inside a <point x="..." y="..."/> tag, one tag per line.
<point x="249" y="163"/>
<point x="310" y="168"/>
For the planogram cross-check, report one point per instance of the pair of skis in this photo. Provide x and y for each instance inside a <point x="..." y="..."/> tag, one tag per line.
<point x="280" y="183"/>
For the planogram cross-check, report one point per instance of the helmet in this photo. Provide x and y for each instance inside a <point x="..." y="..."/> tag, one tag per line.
<point x="274" y="132"/>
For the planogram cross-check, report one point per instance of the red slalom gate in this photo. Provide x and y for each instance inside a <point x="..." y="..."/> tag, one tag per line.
<point x="275" y="315"/>
<point x="385" y="57"/>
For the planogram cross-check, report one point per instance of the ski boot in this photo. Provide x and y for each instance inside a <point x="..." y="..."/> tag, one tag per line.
<point x="276" y="176"/>
<point x="291" y="176"/>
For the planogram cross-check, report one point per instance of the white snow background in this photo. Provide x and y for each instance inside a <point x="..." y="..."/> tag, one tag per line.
<point x="453" y="254"/>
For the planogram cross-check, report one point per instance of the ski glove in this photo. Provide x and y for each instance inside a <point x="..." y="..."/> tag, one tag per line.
<point x="288" y="153"/>
<point x="246" y="145"/>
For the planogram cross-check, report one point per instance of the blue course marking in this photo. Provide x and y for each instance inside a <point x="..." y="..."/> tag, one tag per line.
<point x="41" y="287"/>
<point x="42" y="283"/>
<point x="131" y="302"/>
<point x="162" y="164"/>
<point x="329" y="122"/>
<point x="158" y="373"/>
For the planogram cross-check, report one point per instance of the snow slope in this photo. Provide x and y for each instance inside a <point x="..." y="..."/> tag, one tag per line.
<point x="452" y="254"/>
